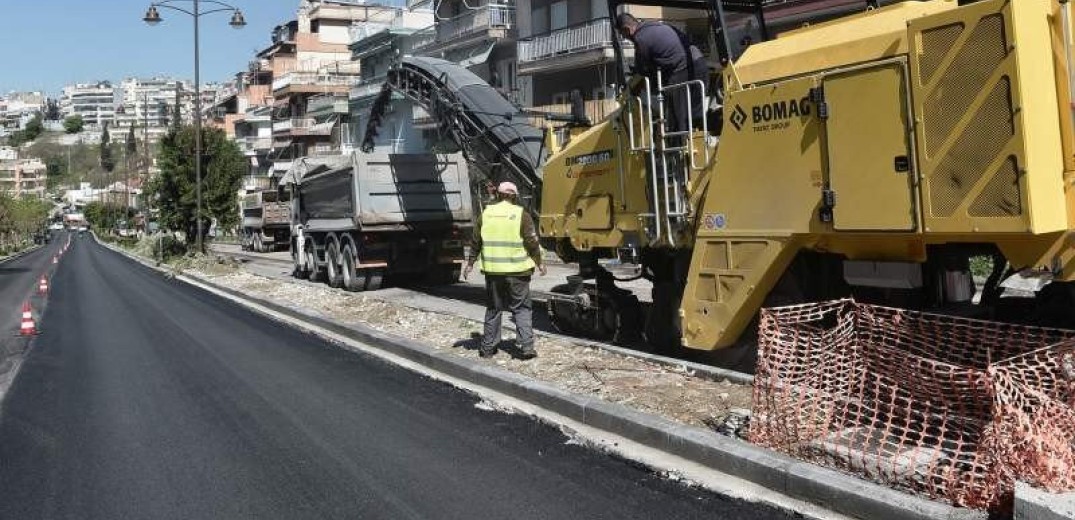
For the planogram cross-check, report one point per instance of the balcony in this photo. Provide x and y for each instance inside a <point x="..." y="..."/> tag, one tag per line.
<point x="294" y="82"/>
<point x="585" y="44"/>
<point x="302" y="126"/>
<point x="327" y="104"/>
<point x="493" y="21"/>
<point x="367" y="88"/>
<point x="254" y="145"/>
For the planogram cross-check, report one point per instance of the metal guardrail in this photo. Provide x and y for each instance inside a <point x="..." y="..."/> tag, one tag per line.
<point x="594" y="34"/>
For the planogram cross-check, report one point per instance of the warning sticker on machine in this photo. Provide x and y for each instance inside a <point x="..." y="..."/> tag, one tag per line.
<point x="714" y="221"/>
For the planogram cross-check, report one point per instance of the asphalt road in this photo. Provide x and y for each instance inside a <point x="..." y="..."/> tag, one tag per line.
<point x="18" y="285"/>
<point x="145" y="398"/>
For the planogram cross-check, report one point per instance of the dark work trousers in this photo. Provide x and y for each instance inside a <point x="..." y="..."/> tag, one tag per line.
<point x="679" y="118"/>
<point x="508" y="293"/>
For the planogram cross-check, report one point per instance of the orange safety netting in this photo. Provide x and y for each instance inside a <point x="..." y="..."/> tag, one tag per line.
<point x="949" y="407"/>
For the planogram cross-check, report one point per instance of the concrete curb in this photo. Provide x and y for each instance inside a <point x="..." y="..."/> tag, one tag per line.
<point x="1035" y="504"/>
<point x="830" y="489"/>
<point x="20" y="254"/>
<point x="709" y="372"/>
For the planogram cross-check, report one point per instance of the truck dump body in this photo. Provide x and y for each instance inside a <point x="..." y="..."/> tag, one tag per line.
<point x="266" y="220"/>
<point x="384" y="191"/>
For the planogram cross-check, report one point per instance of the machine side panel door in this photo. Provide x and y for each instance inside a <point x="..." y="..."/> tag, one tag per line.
<point x="870" y="166"/>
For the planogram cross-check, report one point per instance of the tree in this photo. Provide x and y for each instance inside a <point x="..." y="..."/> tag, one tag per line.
<point x="73" y="124"/>
<point x="177" y="109"/>
<point x="132" y="143"/>
<point x="104" y="216"/>
<point x="52" y="110"/>
<point x="34" y="128"/>
<point x="108" y="163"/>
<point x="222" y="173"/>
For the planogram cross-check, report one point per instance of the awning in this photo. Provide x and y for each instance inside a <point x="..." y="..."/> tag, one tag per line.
<point x="478" y="57"/>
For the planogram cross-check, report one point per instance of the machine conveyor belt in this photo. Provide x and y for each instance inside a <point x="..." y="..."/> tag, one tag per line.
<point x="494" y="134"/>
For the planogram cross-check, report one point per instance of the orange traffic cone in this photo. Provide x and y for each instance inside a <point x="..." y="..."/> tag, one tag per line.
<point x="27" y="327"/>
<point x="43" y="285"/>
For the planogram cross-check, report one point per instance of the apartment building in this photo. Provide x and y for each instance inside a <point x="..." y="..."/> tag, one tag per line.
<point x="95" y="102"/>
<point x="479" y="34"/>
<point x="149" y="104"/>
<point x="377" y="47"/>
<point x="253" y="134"/>
<point x="18" y="108"/>
<point x="312" y="74"/>
<point x="23" y="177"/>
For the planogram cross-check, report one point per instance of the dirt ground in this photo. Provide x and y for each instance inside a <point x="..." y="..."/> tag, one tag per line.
<point x="649" y="387"/>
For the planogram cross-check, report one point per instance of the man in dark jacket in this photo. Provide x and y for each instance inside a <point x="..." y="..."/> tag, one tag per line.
<point x="661" y="47"/>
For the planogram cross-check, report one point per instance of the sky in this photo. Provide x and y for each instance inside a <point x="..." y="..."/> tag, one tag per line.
<point x="46" y="44"/>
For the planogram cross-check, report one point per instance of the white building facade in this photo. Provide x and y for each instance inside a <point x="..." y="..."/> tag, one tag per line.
<point x="95" y="102"/>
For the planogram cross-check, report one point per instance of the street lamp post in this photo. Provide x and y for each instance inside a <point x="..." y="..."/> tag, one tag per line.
<point x="153" y="17"/>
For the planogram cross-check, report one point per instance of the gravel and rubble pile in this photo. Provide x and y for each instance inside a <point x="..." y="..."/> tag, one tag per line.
<point x="672" y="392"/>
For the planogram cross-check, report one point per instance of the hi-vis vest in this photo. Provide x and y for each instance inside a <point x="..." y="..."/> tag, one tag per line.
<point x="502" y="244"/>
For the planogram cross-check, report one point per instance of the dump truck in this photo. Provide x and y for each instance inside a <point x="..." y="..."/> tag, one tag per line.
<point x="868" y="150"/>
<point x="359" y="218"/>
<point x="266" y="220"/>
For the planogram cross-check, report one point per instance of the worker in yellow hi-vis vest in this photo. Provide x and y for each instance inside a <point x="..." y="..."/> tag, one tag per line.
<point x="506" y="240"/>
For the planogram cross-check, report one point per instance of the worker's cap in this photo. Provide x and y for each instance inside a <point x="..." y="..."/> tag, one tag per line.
<point x="508" y="188"/>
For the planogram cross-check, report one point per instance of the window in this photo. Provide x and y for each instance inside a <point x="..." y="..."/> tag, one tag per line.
<point x="539" y="22"/>
<point x="598" y="9"/>
<point x="558" y="15"/>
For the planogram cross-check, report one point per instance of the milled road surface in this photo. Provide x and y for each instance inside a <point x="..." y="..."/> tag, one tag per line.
<point x="145" y="398"/>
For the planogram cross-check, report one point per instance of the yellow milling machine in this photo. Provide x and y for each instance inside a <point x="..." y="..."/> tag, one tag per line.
<point x="873" y="152"/>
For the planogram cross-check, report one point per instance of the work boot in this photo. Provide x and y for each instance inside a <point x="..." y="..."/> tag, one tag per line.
<point x="527" y="352"/>
<point x="486" y="352"/>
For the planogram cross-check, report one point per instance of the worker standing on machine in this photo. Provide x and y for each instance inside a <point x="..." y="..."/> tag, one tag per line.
<point x="507" y="241"/>
<point x="661" y="47"/>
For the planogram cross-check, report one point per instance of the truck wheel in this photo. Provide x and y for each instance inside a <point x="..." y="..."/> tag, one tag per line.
<point x="311" y="261"/>
<point x="374" y="279"/>
<point x="332" y="261"/>
<point x="351" y="281"/>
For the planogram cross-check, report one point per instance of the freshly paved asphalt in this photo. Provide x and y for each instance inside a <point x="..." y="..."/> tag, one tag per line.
<point x="18" y="285"/>
<point x="145" y="398"/>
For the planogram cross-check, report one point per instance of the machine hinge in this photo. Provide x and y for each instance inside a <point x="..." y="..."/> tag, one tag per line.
<point x="817" y="97"/>
<point x="828" y="202"/>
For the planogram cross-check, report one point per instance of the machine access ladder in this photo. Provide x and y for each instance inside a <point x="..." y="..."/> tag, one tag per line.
<point x="672" y="157"/>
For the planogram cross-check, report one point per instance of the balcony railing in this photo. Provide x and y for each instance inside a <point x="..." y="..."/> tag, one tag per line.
<point x="329" y="103"/>
<point x="254" y="144"/>
<point x="367" y="87"/>
<point x="312" y="79"/>
<point x="596" y="110"/>
<point x="487" y="17"/>
<point x="323" y="150"/>
<point x="595" y="34"/>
